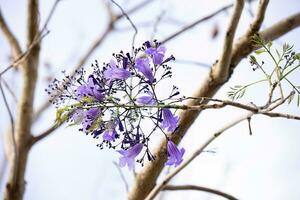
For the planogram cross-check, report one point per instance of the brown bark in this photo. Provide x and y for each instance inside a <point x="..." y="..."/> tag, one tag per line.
<point x="23" y="139"/>
<point x="146" y="180"/>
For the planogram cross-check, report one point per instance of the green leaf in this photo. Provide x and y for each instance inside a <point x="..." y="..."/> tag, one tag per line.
<point x="269" y="45"/>
<point x="87" y="100"/>
<point x="259" y="51"/>
<point x="297" y="56"/>
<point x="278" y="54"/>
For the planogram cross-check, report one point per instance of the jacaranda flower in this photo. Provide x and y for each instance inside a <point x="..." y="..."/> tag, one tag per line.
<point x="109" y="135"/>
<point x="89" y="117"/>
<point x="143" y="65"/>
<point x="169" y="121"/>
<point x="91" y="89"/>
<point x="128" y="156"/>
<point x="157" y="54"/>
<point x="114" y="73"/>
<point x="146" y="99"/>
<point x="174" y="154"/>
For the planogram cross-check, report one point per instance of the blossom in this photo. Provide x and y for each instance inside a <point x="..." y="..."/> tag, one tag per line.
<point x="157" y="54"/>
<point x="174" y="154"/>
<point x="110" y="135"/>
<point x="77" y="116"/>
<point x="115" y="73"/>
<point x="169" y="121"/>
<point x="146" y="99"/>
<point x="91" y="89"/>
<point x="128" y="156"/>
<point x="143" y="65"/>
<point x="89" y="117"/>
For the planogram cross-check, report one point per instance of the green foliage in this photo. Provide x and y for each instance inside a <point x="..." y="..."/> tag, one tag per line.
<point x="285" y="62"/>
<point x="236" y="92"/>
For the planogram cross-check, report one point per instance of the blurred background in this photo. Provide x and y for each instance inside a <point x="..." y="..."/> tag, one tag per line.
<point x="68" y="165"/>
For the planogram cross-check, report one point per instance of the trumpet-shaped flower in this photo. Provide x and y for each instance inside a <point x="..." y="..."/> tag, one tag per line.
<point x="114" y="73"/>
<point x="128" y="156"/>
<point x="146" y="99"/>
<point x="157" y="54"/>
<point x="92" y="89"/>
<point x="143" y="65"/>
<point x="174" y="154"/>
<point x="169" y="121"/>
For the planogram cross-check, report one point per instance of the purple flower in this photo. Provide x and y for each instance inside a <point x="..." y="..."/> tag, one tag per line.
<point x="146" y="100"/>
<point x="115" y="73"/>
<point x="143" y="65"/>
<point x="157" y="54"/>
<point x="128" y="156"/>
<point x="77" y="116"/>
<point x="110" y="135"/>
<point x="91" y="89"/>
<point x="174" y="154"/>
<point x="89" y="117"/>
<point x="169" y="121"/>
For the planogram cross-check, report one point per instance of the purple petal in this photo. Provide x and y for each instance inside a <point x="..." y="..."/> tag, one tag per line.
<point x="143" y="65"/>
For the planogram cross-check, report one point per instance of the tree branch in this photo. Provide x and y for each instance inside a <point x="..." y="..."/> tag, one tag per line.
<point x="266" y="108"/>
<point x="145" y="181"/>
<point x="160" y="186"/>
<point x="110" y="27"/>
<point x="199" y="188"/>
<point x="12" y="40"/>
<point x="220" y="69"/>
<point x="188" y="27"/>
<point x="16" y="184"/>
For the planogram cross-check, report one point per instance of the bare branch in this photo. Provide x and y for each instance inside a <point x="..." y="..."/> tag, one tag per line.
<point x="266" y="108"/>
<point x="199" y="188"/>
<point x="24" y="55"/>
<point x="188" y="27"/>
<point x="12" y="40"/>
<point x="161" y="185"/>
<point x="94" y="46"/>
<point x="220" y="69"/>
<point x="45" y="133"/>
<point x="122" y="176"/>
<point x="145" y="181"/>
<point x="130" y="21"/>
<point x="249" y="125"/>
<point x="9" y="89"/>
<point x="16" y="185"/>
<point x="12" y="124"/>
<point x="190" y="62"/>
<point x="259" y="18"/>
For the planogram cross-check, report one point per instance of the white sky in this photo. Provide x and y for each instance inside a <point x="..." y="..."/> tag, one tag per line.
<point x="67" y="165"/>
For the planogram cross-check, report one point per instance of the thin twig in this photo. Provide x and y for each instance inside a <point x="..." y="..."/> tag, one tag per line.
<point x="156" y="23"/>
<point x="161" y="185"/>
<point x="15" y="46"/>
<point x="191" y="62"/>
<point x="113" y="19"/>
<point x="202" y="19"/>
<point x="9" y="89"/>
<point x="199" y="188"/>
<point x="45" y="133"/>
<point x="130" y="21"/>
<point x="147" y="178"/>
<point x="24" y="55"/>
<point x="249" y="125"/>
<point x="122" y="176"/>
<point x="13" y="137"/>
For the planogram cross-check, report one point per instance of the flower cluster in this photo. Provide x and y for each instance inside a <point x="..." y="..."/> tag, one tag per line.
<point x="118" y="102"/>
